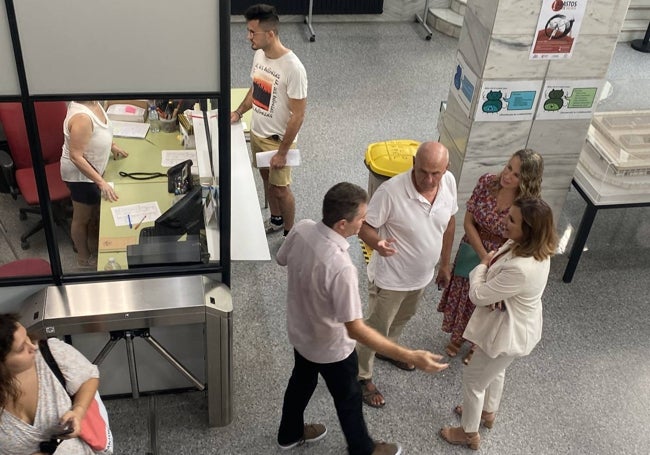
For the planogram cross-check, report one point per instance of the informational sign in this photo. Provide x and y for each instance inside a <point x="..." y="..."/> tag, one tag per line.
<point x="464" y="84"/>
<point x="507" y="101"/>
<point x="569" y="99"/>
<point x="558" y="28"/>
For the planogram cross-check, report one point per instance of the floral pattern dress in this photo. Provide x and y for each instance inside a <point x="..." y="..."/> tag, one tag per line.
<point x="455" y="302"/>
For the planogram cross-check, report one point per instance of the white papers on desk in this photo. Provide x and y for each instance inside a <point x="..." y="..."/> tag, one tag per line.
<point x="173" y="157"/>
<point x="264" y="158"/>
<point x="130" y="129"/>
<point x="137" y="212"/>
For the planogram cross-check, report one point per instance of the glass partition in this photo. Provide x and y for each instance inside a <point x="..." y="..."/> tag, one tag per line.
<point x="132" y="186"/>
<point x="54" y="177"/>
<point x="21" y="221"/>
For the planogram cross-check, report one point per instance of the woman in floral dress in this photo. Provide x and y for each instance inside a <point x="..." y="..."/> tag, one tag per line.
<point x="484" y="231"/>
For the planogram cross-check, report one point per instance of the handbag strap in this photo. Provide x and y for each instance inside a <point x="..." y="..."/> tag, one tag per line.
<point x="51" y="362"/>
<point x="50" y="446"/>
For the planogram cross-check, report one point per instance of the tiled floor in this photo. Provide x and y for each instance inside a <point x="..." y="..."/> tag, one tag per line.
<point x="584" y="390"/>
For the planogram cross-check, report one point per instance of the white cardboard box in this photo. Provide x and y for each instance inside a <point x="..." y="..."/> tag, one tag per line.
<point x="126" y="113"/>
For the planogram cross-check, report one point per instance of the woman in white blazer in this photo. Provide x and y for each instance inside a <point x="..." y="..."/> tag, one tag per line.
<point x="506" y="288"/>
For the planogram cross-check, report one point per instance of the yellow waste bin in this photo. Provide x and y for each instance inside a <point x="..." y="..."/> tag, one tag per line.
<point x="387" y="159"/>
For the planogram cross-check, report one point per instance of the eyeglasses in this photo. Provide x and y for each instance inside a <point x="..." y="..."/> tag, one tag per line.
<point x="252" y="33"/>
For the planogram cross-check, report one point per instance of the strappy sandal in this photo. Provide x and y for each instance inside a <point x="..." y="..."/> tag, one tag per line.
<point x="452" y="348"/>
<point x="369" y="392"/>
<point x="457" y="436"/>
<point x="468" y="356"/>
<point x="90" y="263"/>
<point x="487" y="418"/>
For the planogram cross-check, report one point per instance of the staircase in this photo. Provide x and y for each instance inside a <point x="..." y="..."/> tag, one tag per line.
<point x="450" y="20"/>
<point x="636" y="21"/>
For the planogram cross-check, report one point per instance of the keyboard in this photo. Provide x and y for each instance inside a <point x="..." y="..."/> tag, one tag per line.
<point x="147" y="234"/>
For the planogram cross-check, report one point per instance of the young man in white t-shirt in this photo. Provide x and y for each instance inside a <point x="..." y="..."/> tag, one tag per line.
<point x="278" y="97"/>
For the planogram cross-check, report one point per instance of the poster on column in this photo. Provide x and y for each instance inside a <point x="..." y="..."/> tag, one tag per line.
<point x="557" y="29"/>
<point x="464" y="84"/>
<point x="507" y="101"/>
<point x="564" y="99"/>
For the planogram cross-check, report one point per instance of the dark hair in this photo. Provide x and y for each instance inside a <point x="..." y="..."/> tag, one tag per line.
<point x="538" y="228"/>
<point x="8" y="388"/>
<point x="341" y="202"/>
<point x="530" y="173"/>
<point x="265" y="14"/>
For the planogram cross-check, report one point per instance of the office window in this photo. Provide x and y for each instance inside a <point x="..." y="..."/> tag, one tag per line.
<point x="127" y="188"/>
<point x="23" y="250"/>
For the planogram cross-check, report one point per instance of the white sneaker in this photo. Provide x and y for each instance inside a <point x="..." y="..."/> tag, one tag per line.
<point x="270" y="227"/>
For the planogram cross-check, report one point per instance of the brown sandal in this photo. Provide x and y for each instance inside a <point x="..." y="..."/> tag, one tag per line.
<point x="452" y="348"/>
<point x="369" y="392"/>
<point x="457" y="436"/>
<point x="468" y="356"/>
<point x="487" y="418"/>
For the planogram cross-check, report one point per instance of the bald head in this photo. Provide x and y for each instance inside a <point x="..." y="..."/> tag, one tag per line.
<point x="432" y="153"/>
<point x="429" y="165"/>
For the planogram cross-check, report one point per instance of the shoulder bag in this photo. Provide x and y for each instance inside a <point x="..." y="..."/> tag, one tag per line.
<point x="466" y="260"/>
<point x="94" y="427"/>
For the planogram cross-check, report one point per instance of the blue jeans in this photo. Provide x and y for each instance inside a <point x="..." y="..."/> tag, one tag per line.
<point x="341" y="380"/>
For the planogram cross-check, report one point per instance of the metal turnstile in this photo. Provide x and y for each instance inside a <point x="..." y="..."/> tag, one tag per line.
<point x="130" y="309"/>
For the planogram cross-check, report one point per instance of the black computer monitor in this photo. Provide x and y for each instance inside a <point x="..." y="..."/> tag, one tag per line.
<point x="159" y="245"/>
<point x="184" y="217"/>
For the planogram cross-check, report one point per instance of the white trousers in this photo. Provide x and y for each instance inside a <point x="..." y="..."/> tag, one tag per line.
<point x="482" y="387"/>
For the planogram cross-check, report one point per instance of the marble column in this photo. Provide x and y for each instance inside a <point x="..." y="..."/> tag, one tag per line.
<point x="495" y="44"/>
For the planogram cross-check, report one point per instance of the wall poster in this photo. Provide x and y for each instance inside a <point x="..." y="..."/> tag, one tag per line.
<point x="558" y="28"/>
<point x="569" y="99"/>
<point x="464" y="84"/>
<point x="507" y="101"/>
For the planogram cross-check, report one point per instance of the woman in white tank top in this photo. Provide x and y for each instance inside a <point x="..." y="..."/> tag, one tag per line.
<point x="88" y="145"/>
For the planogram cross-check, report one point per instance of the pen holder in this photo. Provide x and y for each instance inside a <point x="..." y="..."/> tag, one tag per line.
<point x="169" y="125"/>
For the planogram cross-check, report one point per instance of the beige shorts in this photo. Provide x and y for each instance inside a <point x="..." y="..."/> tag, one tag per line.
<point x="277" y="177"/>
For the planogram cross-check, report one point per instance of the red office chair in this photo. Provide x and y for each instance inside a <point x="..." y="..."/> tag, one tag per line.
<point x="17" y="168"/>
<point x="25" y="267"/>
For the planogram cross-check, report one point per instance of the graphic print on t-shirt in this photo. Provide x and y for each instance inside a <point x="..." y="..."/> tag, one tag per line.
<point x="266" y="87"/>
<point x="262" y="91"/>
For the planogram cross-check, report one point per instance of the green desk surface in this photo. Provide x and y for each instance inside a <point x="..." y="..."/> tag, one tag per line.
<point x="113" y="239"/>
<point x="237" y="95"/>
<point x="144" y="156"/>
